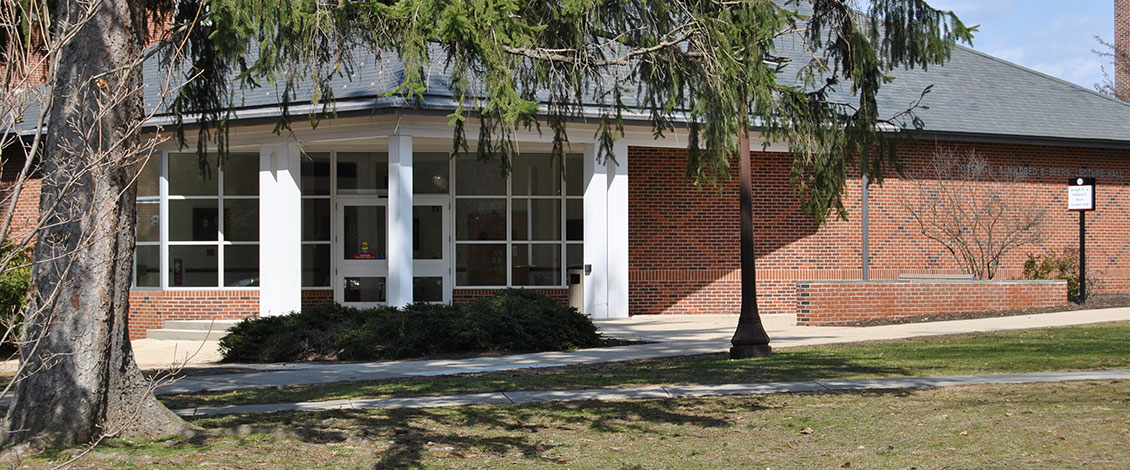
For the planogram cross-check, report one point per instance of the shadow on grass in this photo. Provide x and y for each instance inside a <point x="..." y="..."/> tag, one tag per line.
<point x="783" y="366"/>
<point x="789" y="366"/>
<point x="1078" y="348"/>
<point x="499" y="430"/>
<point x="414" y="435"/>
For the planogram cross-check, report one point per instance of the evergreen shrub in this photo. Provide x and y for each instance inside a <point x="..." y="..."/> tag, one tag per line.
<point x="512" y="321"/>
<point x="1063" y="266"/>
<point x="14" y="282"/>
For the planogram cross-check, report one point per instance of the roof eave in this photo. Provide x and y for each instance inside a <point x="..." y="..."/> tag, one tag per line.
<point x="442" y="106"/>
<point x="1021" y="140"/>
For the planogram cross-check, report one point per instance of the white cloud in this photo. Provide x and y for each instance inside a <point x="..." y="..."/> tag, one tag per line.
<point x="1084" y="71"/>
<point x="1069" y="24"/>
<point x="1051" y="36"/>
<point x="973" y="6"/>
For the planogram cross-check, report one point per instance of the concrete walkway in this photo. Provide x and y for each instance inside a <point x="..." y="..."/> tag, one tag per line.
<point x="674" y="336"/>
<point x="668" y="391"/>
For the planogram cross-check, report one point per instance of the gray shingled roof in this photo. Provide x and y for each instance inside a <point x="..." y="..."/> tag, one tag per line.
<point x="975" y="93"/>
<point x="974" y="96"/>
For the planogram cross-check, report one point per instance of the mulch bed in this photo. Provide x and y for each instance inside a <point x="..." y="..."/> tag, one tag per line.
<point x="1094" y="301"/>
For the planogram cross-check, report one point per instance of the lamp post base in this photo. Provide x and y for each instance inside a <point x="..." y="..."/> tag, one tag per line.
<point x="746" y="351"/>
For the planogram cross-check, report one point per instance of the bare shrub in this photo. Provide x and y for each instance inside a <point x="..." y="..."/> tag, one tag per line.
<point x="978" y="214"/>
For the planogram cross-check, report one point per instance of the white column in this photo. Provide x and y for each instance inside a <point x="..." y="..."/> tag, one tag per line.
<point x="163" y="188"/>
<point x="280" y="229"/>
<point x="399" y="220"/>
<point x="618" y="232"/>
<point x="596" y="233"/>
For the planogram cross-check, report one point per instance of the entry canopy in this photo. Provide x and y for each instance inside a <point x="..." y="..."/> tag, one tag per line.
<point x="1081" y="194"/>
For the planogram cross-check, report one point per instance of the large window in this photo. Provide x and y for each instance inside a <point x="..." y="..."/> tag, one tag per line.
<point x="200" y="229"/>
<point x="316" y="220"/>
<point x="325" y="176"/>
<point x="212" y="230"/>
<point x="524" y="230"/>
<point x="147" y="256"/>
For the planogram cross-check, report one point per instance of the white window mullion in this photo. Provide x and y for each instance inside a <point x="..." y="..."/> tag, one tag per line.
<point x="163" y="213"/>
<point x="509" y="232"/>
<point x="333" y="221"/>
<point x="563" y="269"/>
<point x="221" y="227"/>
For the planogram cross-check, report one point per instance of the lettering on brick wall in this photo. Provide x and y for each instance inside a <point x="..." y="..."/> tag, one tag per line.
<point x="1041" y="171"/>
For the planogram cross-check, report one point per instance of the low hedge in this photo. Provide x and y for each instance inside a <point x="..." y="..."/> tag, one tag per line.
<point x="512" y="321"/>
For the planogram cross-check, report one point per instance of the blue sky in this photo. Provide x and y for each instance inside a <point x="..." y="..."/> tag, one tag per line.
<point x="1052" y="36"/>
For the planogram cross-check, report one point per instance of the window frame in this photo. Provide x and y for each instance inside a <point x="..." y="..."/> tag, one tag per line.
<point x="509" y="242"/>
<point x="164" y="197"/>
<point x="329" y="242"/>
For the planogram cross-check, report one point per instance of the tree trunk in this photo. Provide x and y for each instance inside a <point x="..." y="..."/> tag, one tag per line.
<point x="81" y="382"/>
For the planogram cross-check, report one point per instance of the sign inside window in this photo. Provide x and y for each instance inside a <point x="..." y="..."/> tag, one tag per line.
<point x="365" y="253"/>
<point x="1081" y="194"/>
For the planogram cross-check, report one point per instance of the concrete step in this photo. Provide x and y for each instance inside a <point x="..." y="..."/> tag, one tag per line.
<point x="203" y="325"/>
<point x="185" y="335"/>
<point x="192" y="330"/>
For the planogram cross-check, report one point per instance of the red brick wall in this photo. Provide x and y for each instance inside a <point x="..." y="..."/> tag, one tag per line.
<point x="464" y="296"/>
<point x="149" y="309"/>
<point x="27" y="207"/>
<point x="824" y="302"/>
<point x="684" y="254"/>
<point x="312" y="297"/>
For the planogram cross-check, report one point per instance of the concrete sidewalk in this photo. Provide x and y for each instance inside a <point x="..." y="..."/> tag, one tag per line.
<point x="674" y="336"/>
<point x="668" y="391"/>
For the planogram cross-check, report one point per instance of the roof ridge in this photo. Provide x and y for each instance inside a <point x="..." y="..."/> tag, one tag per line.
<point x="1041" y="74"/>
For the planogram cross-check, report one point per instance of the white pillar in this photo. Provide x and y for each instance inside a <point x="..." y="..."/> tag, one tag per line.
<point x="399" y="220"/>
<point x="280" y="229"/>
<point x="596" y="233"/>
<point x="618" y="232"/>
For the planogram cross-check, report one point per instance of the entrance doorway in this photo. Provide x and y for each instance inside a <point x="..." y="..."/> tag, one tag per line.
<point x="361" y="250"/>
<point x="361" y="277"/>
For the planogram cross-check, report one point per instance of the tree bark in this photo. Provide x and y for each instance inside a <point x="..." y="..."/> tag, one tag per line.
<point x="81" y="381"/>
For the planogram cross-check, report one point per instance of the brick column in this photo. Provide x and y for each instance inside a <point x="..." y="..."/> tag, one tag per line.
<point x="1122" y="49"/>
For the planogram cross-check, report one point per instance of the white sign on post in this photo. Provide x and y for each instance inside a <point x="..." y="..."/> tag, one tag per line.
<point x="1081" y="195"/>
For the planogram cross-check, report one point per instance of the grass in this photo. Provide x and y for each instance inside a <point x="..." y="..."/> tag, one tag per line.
<point x="1055" y="349"/>
<point x="1067" y="425"/>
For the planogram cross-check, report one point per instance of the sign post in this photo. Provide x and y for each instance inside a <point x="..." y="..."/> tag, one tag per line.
<point x="1081" y="198"/>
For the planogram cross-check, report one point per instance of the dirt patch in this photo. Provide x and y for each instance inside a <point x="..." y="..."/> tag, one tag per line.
<point x="1094" y="301"/>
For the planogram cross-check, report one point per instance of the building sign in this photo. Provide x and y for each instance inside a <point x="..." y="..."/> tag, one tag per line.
<point x="365" y="252"/>
<point x="1081" y="194"/>
<point x="1041" y="172"/>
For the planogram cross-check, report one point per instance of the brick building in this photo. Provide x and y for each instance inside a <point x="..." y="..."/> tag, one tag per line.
<point x="369" y="208"/>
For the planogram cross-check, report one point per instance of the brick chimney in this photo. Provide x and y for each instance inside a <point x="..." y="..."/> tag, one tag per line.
<point x="1122" y="49"/>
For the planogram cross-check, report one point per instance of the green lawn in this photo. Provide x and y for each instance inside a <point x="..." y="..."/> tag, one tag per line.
<point x="1072" y="348"/>
<point x="1054" y="426"/>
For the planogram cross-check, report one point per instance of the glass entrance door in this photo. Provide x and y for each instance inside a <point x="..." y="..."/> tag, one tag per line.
<point x="362" y="245"/>
<point x="431" y="248"/>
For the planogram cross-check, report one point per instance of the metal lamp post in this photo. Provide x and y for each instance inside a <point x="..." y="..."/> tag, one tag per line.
<point x="750" y="338"/>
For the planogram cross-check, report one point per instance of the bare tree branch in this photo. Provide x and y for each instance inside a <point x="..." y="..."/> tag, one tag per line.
<point x="977" y="216"/>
